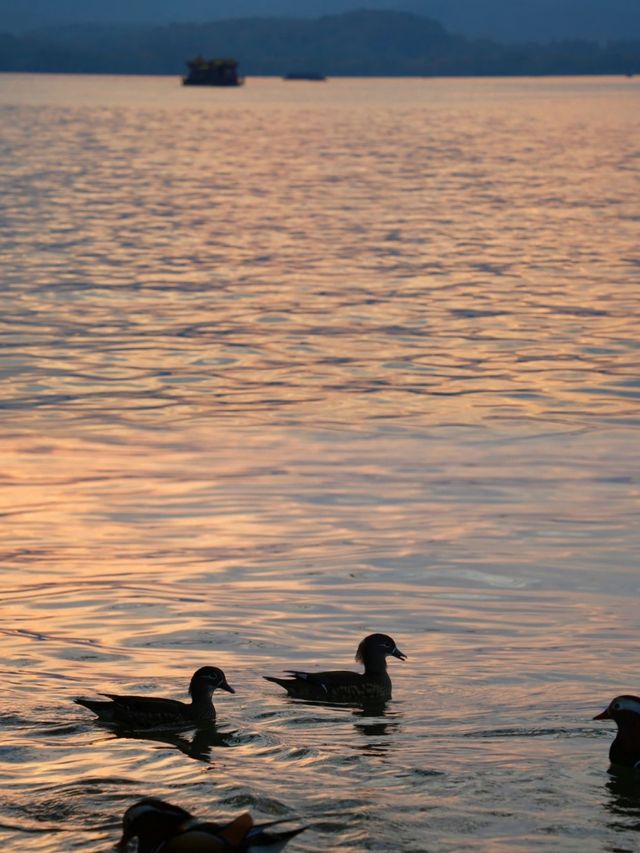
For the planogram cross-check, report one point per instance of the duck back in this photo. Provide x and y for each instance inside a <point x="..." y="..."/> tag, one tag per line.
<point x="144" y="710"/>
<point x="336" y="686"/>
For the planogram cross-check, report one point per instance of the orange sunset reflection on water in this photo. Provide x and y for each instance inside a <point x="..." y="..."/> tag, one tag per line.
<point x="286" y="366"/>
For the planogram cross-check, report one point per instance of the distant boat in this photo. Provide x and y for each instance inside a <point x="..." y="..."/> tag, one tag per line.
<point x="212" y="72"/>
<point x="304" y="75"/>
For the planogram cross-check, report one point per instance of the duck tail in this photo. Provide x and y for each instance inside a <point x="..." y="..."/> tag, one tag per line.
<point x="282" y="682"/>
<point x="100" y="707"/>
<point x="260" y="838"/>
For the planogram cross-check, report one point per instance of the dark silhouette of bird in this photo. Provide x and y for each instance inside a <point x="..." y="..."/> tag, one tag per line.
<point x="372" y="685"/>
<point x="625" y="712"/>
<point x="161" y="827"/>
<point x="153" y="711"/>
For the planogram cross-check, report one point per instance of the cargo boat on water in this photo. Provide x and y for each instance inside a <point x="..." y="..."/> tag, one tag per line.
<point x="212" y="72"/>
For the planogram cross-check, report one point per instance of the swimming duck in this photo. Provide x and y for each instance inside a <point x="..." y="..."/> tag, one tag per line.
<point x="373" y="685"/>
<point x="152" y="821"/>
<point x="625" y="711"/>
<point x="152" y="711"/>
<point x="161" y="827"/>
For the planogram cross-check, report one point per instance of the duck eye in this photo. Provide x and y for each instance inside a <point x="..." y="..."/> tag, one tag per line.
<point x="616" y="706"/>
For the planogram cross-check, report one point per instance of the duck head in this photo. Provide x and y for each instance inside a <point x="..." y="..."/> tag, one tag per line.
<point x="622" y="709"/>
<point x="378" y="647"/>
<point x="151" y="821"/>
<point x="207" y="679"/>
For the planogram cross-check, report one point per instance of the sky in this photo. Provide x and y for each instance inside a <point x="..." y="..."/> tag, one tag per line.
<point x="505" y="20"/>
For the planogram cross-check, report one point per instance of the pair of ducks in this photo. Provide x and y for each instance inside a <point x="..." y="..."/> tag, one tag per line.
<point x="372" y="685"/>
<point x="161" y="827"/>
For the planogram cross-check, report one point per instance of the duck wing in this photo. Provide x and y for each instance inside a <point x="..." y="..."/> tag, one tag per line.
<point x="148" y="710"/>
<point x="200" y="838"/>
<point x="263" y="838"/>
<point x="331" y="686"/>
<point x="326" y="680"/>
<point x="239" y="835"/>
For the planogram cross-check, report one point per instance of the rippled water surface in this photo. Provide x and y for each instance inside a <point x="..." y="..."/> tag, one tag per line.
<point x="293" y="363"/>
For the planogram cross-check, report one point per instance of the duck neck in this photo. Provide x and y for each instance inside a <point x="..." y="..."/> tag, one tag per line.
<point x="625" y="749"/>
<point x="375" y="667"/>
<point x="202" y="705"/>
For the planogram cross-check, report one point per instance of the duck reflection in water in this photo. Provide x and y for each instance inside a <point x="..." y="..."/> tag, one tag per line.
<point x="372" y="722"/>
<point x="623" y="798"/>
<point x="196" y="745"/>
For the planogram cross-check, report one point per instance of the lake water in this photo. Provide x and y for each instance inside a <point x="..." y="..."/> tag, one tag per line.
<point x="288" y="364"/>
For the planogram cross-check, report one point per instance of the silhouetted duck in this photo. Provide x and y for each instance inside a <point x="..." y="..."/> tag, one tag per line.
<point x="373" y="685"/>
<point x="164" y="828"/>
<point x="152" y="822"/>
<point x="625" y="711"/>
<point x="152" y="711"/>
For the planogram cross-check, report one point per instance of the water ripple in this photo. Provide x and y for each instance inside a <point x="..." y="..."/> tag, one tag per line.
<point x="253" y="412"/>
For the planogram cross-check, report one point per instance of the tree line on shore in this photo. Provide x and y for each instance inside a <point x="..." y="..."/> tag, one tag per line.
<point x="367" y="43"/>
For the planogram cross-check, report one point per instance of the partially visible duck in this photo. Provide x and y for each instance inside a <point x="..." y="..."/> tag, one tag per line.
<point x="161" y="827"/>
<point x="151" y="711"/>
<point x="373" y="685"/>
<point x="625" y="712"/>
<point x="152" y="821"/>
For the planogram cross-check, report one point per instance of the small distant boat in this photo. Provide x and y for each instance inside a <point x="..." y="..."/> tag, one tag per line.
<point x="212" y="72"/>
<point x="304" y="75"/>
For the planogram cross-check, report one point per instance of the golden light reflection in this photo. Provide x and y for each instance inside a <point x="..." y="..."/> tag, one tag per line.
<point x="253" y="412"/>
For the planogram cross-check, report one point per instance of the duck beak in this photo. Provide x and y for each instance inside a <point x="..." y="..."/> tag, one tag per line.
<point x="605" y="715"/>
<point x="124" y="841"/>
<point x="227" y="687"/>
<point x="398" y="654"/>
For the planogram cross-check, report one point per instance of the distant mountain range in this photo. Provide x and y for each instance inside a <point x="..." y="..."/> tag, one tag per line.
<point x="370" y="42"/>
<point x="502" y="20"/>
